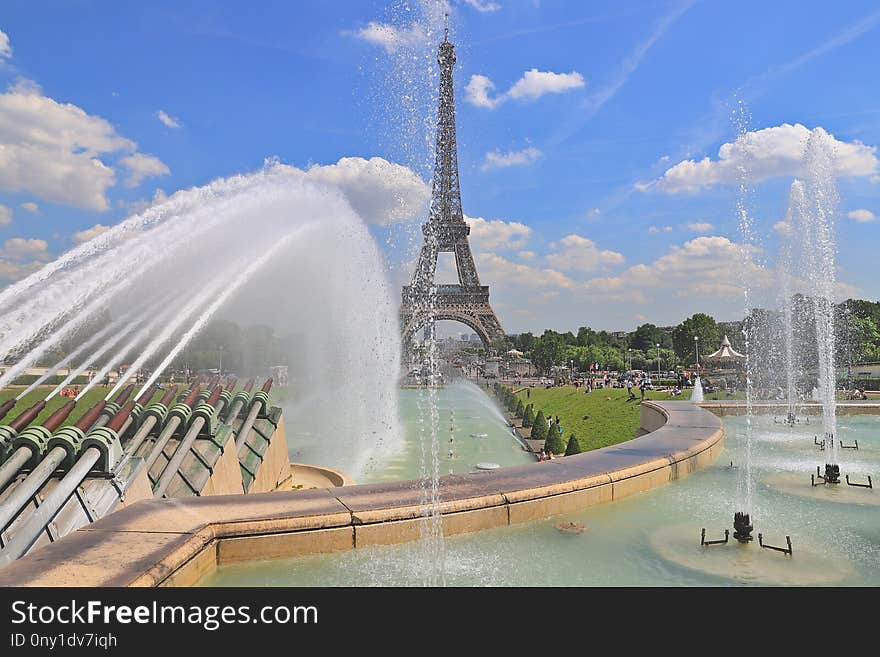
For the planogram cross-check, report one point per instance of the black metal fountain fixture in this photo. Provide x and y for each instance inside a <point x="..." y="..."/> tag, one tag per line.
<point x="831" y="476"/>
<point x="742" y="527"/>
<point x="870" y="484"/>
<point x="720" y="541"/>
<point x="772" y="547"/>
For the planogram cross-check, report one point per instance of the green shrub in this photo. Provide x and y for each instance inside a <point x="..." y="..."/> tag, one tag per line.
<point x="539" y="428"/>
<point x="520" y="408"/>
<point x="573" y="447"/>
<point x="529" y="416"/>
<point x="554" y="442"/>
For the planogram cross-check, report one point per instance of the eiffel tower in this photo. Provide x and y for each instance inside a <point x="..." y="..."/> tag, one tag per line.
<point x="425" y="302"/>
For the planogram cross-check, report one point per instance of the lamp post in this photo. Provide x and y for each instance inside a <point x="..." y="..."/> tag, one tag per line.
<point x="221" y="360"/>
<point x="658" y="363"/>
<point x="571" y="370"/>
<point x="697" y="351"/>
<point x="629" y="353"/>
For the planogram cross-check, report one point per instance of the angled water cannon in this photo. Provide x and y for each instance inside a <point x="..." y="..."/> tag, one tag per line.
<point x="259" y="407"/>
<point x="139" y="405"/>
<point x="8" y="432"/>
<point x="203" y="415"/>
<point x="7" y="406"/>
<point x="239" y="401"/>
<point x="177" y="416"/>
<point x="114" y="406"/>
<point x="67" y="441"/>
<point x="208" y="389"/>
<point x="39" y="475"/>
<point x="28" y="447"/>
<point x="100" y="450"/>
<point x="152" y="415"/>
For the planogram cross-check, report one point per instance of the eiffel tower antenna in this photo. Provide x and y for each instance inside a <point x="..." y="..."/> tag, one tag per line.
<point x="425" y="302"/>
<point x="446" y="31"/>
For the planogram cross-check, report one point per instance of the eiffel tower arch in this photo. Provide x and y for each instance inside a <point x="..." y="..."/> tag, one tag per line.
<point x="425" y="302"/>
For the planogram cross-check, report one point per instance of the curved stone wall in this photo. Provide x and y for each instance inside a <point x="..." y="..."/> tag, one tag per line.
<point x="176" y="542"/>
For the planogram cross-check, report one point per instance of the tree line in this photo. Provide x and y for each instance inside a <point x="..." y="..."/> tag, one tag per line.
<point x="857" y="327"/>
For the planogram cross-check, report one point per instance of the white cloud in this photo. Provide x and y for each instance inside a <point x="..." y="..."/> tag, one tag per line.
<point x="20" y="256"/>
<point x="89" y="233"/>
<point x="783" y="228"/>
<point x="5" y="46"/>
<point x="477" y="90"/>
<point x="700" y="227"/>
<point x="496" y="234"/>
<point x="141" y="166"/>
<point x="5" y="215"/>
<point x="531" y="86"/>
<point x="381" y="192"/>
<point x="594" y="213"/>
<point x="701" y="267"/>
<point x="483" y="6"/>
<point x="391" y="37"/>
<point x="659" y="229"/>
<point x="31" y="207"/>
<point x="526" y="255"/>
<point x="169" y="121"/>
<point x="20" y="248"/>
<point x="13" y="271"/>
<point x="767" y="153"/>
<point x="503" y="272"/>
<point x="535" y="83"/>
<point x="53" y="150"/>
<point x="862" y="216"/>
<point x="576" y="253"/>
<point x="498" y="160"/>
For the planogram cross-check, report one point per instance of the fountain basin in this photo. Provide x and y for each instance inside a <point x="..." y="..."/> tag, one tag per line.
<point x="200" y="533"/>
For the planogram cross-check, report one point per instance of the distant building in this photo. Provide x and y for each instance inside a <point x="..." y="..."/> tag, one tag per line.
<point x="620" y="335"/>
<point x="492" y="366"/>
<point x="475" y="338"/>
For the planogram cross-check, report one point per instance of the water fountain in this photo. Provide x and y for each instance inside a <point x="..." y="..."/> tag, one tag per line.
<point x="697" y="393"/>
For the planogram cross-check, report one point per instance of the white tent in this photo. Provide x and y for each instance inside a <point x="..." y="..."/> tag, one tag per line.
<point x="725" y="352"/>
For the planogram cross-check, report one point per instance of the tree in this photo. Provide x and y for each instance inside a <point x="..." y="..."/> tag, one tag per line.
<point x="529" y="416"/>
<point x="520" y="408"/>
<point x="646" y="337"/>
<point x="523" y="341"/>
<point x="573" y="447"/>
<point x="548" y="351"/>
<point x="553" y="442"/>
<point x="700" y="325"/>
<point x="539" y="427"/>
<point x="502" y="345"/>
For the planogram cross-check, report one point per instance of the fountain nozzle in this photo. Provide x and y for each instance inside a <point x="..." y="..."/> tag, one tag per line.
<point x="832" y="473"/>
<point x="742" y="527"/>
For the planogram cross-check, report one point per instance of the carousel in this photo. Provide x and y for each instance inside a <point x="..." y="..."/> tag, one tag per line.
<point x="722" y="370"/>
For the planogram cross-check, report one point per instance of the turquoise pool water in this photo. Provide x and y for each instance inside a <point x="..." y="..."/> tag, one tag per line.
<point x="653" y="538"/>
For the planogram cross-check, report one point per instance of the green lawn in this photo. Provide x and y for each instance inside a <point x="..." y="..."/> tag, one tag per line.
<point x="91" y="398"/>
<point x="609" y="421"/>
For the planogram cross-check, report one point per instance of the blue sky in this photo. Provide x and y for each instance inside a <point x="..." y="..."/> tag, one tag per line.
<point x="572" y="175"/>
